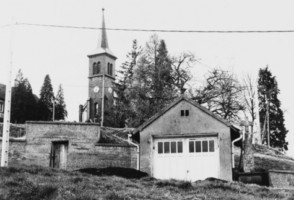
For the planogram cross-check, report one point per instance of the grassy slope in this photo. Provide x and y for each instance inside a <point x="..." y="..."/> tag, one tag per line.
<point x="266" y="158"/>
<point x="37" y="183"/>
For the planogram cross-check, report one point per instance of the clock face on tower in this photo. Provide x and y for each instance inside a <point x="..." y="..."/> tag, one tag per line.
<point x="96" y="89"/>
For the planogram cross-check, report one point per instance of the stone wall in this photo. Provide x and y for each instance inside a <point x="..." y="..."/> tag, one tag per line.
<point x="82" y="151"/>
<point x="281" y="179"/>
<point x="16" y="151"/>
<point x="105" y="155"/>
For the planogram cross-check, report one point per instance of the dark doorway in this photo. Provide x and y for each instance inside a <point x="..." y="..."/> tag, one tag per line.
<point x="58" y="157"/>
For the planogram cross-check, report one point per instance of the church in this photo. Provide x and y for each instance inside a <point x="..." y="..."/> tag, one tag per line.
<point x="101" y="81"/>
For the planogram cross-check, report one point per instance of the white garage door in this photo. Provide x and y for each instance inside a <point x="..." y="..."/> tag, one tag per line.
<point x="186" y="159"/>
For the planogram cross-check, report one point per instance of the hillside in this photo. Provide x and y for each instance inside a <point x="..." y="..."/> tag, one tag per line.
<point x="35" y="183"/>
<point x="266" y="158"/>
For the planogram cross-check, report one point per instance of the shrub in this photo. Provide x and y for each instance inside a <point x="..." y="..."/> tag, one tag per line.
<point x="115" y="196"/>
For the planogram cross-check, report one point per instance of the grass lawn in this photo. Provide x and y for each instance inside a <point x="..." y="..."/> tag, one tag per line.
<point x="36" y="183"/>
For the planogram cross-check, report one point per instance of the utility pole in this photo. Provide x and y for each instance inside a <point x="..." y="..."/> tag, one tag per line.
<point x="258" y="129"/>
<point x="267" y="116"/>
<point x="6" y="122"/>
<point x="53" y="109"/>
<point x="102" y="106"/>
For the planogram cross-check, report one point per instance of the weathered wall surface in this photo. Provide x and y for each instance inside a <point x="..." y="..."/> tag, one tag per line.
<point x="82" y="152"/>
<point x="40" y="135"/>
<point x="16" y="151"/>
<point x="105" y="155"/>
<point x="171" y="123"/>
<point x="281" y="179"/>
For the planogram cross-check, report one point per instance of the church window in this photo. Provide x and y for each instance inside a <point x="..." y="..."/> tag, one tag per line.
<point x="98" y="68"/>
<point x="109" y="69"/>
<point x="94" y="68"/>
<point x="96" y="107"/>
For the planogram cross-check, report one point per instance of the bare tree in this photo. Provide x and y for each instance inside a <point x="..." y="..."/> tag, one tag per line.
<point x="249" y="95"/>
<point x="181" y="73"/>
<point x="221" y="94"/>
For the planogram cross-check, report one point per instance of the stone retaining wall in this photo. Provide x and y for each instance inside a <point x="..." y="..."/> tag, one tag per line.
<point x="281" y="179"/>
<point x="82" y="150"/>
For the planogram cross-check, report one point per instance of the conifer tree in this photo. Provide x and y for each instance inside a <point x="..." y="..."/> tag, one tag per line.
<point x="121" y="110"/>
<point x="60" y="106"/>
<point x="46" y="99"/>
<point x="150" y="79"/>
<point x="24" y="102"/>
<point x="153" y="82"/>
<point x="270" y="104"/>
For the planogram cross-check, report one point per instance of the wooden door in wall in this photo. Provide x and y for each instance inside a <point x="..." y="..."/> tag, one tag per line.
<point x="58" y="158"/>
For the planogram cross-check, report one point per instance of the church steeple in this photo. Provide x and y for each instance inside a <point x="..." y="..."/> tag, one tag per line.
<point x="101" y="79"/>
<point x="103" y="43"/>
<point x="102" y="47"/>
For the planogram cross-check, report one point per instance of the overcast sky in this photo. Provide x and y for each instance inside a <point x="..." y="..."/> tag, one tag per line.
<point x="61" y="53"/>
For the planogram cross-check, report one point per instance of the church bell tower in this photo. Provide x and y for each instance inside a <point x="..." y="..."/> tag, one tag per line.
<point x="101" y="76"/>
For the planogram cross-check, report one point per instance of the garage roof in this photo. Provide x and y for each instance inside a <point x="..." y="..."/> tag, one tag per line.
<point x="178" y="100"/>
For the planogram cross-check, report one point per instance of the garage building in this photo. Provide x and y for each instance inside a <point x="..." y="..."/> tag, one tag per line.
<point x="185" y="141"/>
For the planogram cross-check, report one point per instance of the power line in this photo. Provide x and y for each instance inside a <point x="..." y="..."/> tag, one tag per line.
<point x="4" y="25"/>
<point x="157" y="30"/>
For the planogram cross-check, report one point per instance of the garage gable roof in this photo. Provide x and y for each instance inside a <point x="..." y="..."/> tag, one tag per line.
<point x="178" y="100"/>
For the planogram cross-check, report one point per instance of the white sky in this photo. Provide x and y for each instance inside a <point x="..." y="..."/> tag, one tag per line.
<point x="61" y="53"/>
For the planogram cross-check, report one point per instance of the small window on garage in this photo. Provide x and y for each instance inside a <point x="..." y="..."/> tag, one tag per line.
<point x="180" y="147"/>
<point x="198" y="146"/>
<point x="173" y="147"/>
<point x="191" y="146"/>
<point x="211" y="145"/>
<point x="160" y="149"/>
<point x="166" y="147"/>
<point x="204" y="146"/>
<point x="184" y="113"/>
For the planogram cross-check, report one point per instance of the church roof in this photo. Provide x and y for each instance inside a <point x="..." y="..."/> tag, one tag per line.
<point x="102" y="47"/>
<point x="98" y="51"/>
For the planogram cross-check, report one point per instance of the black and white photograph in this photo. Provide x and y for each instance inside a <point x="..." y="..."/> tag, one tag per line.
<point x="136" y="99"/>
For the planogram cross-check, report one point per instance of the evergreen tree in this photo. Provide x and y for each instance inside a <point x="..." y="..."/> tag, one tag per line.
<point x="46" y="99"/>
<point x="162" y="87"/>
<point x="60" y="107"/>
<point x="153" y="82"/>
<point x="148" y="82"/>
<point x="121" y="110"/>
<point x="24" y="102"/>
<point x="269" y="103"/>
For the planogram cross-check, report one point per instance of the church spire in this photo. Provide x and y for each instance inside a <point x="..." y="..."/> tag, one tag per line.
<point x="103" y="43"/>
<point x="102" y="47"/>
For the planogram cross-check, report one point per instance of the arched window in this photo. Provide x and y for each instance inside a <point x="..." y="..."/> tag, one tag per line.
<point x="109" y="69"/>
<point x="98" y="67"/>
<point x="96" y="108"/>
<point x="94" y="68"/>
